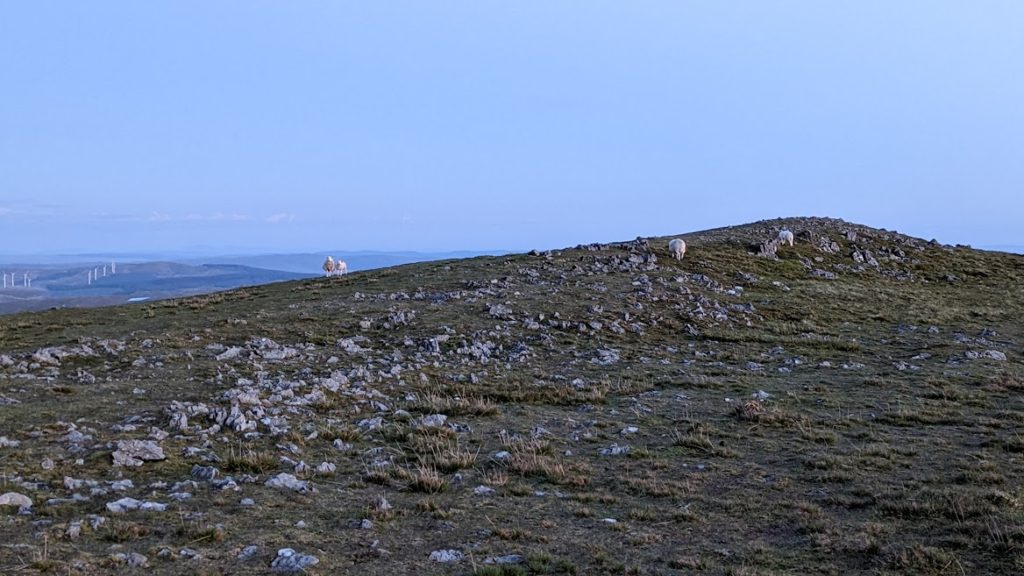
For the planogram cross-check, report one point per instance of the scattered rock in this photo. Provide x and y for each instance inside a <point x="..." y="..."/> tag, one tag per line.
<point x="229" y="354"/>
<point x="615" y="450"/>
<point x="606" y="357"/>
<point x="204" y="472"/>
<point x="433" y="421"/>
<point x="446" y="556"/>
<point x="289" y="560"/>
<point x="289" y="482"/>
<point x="135" y="452"/>
<point x="127" y="504"/>
<point x="510" y="559"/>
<point x="131" y="560"/>
<point x="15" y="499"/>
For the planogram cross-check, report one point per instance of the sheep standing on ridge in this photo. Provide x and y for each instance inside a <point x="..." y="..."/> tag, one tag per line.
<point x="785" y="237"/>
<point x="340" y="267"/>
<point x="329" y="266"/>
<point x="678" y="248"/>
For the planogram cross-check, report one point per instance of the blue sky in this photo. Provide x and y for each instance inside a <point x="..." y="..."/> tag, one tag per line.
<point x="280" y="126"/>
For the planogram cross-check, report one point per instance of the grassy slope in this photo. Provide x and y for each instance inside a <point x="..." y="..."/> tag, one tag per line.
<point x="868" y="469"/>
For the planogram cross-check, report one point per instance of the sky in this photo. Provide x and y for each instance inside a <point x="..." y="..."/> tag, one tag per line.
<point x="269" y="126"/>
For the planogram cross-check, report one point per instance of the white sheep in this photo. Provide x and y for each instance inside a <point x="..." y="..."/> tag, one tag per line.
<point x="340" y="267"/>
<point x="329" y="266"/>
<point x="677" y="247"/>
<point x="785" y="237"/>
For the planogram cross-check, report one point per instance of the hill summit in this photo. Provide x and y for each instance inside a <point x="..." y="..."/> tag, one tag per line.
<point x="850" y="404"/>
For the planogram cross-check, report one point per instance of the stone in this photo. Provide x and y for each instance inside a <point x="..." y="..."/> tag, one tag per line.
<point x="132" y="560"/>
<point x="122" y="485"/>
<point x="446" y="556"/>
<point x="15" y="499"/>
<point x="615" y="450"/>
<point x="247" y="553"/>
<point x="510" y="559"/>
<point x="229" y="354"/>
<point x="133" y="453"/>
<point x="204" y="472"/>
<point x="371" y="423"/>
<point x="289" y="482"/>
<point x="126" y="504"/>
<point x="433" y="420"/>
<point x="606" y="357"/>
<point x="289" y="560"/>
<point x="500" y="311"/>
<point x="995" y="355"/>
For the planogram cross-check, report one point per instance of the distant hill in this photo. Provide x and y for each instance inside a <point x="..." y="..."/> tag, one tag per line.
<point x="62" y="285"/>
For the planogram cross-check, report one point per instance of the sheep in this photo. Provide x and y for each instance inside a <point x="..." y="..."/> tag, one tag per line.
<point x="340" y="267"/>
<point x="785" y="236"/>
<point x="329" y="266"/>
<point x="677" y="247"/>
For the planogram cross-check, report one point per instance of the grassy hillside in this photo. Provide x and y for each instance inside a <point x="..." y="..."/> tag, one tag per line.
<point x="853" y="406"/>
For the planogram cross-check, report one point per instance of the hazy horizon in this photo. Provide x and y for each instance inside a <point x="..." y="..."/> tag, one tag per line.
<point x="300" y="127"/>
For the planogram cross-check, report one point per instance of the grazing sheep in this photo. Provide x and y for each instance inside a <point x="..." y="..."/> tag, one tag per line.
<point x="329" y="266"/>
<point x="677" y="247"/>
<point x="785" y="237"/>
<point x="340" y="267"/>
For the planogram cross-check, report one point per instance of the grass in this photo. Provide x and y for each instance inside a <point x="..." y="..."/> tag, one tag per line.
<point x="851" y="466"/>
<point x="249" y="460"/>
